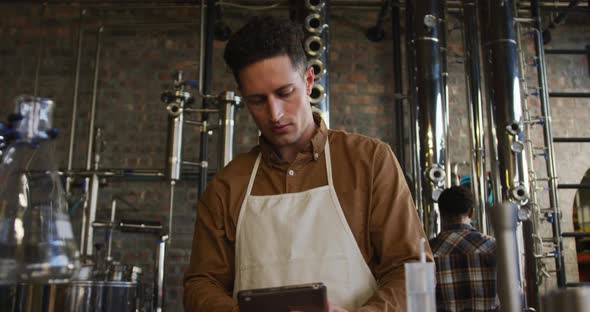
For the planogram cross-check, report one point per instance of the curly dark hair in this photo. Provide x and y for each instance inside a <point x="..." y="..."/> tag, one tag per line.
<point x="455" y="201"/>
<point x="265" y="37"/>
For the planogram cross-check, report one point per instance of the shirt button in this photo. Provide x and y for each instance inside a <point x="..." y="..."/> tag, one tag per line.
<point x="316" y="155"/>
<point x="291" y="172"/>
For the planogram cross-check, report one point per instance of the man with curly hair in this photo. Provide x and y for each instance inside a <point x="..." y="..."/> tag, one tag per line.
<point x="308" y="204"/>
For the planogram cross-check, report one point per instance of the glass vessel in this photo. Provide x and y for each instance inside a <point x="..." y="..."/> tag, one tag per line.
<point x="37" y="244"/>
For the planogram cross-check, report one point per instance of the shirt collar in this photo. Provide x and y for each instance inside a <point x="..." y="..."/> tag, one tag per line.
<point x="458" y="226"/>
<point x="312" y="150"/>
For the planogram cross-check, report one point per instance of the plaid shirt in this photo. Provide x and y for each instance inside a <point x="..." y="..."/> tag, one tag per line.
<point x="465" y="269"/>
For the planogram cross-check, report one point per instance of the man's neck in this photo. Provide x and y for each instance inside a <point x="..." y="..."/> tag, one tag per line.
<point x="289" y="153"/>
<point x="456" y="220"/>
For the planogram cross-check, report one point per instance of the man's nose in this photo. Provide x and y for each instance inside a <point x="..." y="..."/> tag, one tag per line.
<point x="275" y="109"/>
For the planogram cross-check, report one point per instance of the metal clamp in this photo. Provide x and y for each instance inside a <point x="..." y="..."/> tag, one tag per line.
<point x="314" y="46"/>
<point x="313" y="23"/>
<point x="315" y="5"/>
<point x="514" y="127"/>
<point x="519" y="194"/>
<point x="317" y="94"/>
<point x="319" y="69"/>
<point x="436" y="174"/>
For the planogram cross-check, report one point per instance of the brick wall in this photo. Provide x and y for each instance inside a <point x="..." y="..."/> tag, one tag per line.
<point x="136" y="65"/>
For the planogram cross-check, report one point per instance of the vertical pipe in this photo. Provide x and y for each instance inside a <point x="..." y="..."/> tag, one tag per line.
<point x="398" y="87"/>
<point x="474" y="104"/>
<point x="94" y="95"/>
<point x="431" y="107"/>
<point x="445" y="86"/>
<point x="111" y="228"/>
<point x="228" y="102"/>
<point x="506" y="113"/>
<point x="206" y="81"/>
<point x="75" y="95"/>
<point x="171" y="210"/>
<point x="500" y="53"/>
<point x="413" y="124"/>
<point x="228" y="132"/>
<point x="532" y="244"/>
<point x="548" y="138"/>
<point x="91" y="185"/>
<point x="504" y="219"/>
<point x="159" y="276"/>
<point x="175" y="129"/>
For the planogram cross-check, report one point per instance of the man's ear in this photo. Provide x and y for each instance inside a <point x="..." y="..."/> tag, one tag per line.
<point x="309" y="77"/>
<point x="470" y="213"/>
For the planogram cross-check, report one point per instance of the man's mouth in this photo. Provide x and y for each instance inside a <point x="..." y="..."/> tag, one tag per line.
<point x="279" y="128"/>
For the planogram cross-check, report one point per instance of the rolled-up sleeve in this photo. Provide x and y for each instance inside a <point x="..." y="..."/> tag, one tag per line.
<point x="209" y="280"/>
<point x="395" y="232"/>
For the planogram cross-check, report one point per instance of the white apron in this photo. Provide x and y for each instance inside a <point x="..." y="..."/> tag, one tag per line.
<point x="300" y="238"/>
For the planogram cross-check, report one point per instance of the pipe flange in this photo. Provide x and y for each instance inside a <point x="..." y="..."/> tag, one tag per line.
<point x="514" y="127"/>
<point x="519" y="194"/>
<point x="315" y="5"/>
<point x="174" y="109"/>
<point x="314" y="46"/>
<point x="436" y="174"/>
<point x="319" y="69"/>
<point x="318" y="93"/>
<point x="313" y="23"/>
<point x="229" y="96"/>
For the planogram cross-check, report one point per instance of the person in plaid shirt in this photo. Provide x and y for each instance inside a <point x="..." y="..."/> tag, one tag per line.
<point x="465" y="259"/>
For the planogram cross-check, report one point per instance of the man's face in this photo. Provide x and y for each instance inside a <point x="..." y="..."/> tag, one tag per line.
<point x="276" y="95"/>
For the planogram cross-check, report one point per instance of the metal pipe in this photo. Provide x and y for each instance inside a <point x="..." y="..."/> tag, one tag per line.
<point x="445" y="85"/>
<point x="398" y="86"/>
<point x="505" y="105"/>
<point x="431" y="107"/>
<point x="548" y="140"/>
<point x="75" y="100"/>
<point x="175" y="129"/>
<point x="171" y="209"/>
<point x="91" y="190"/>
<point x="206" y="81"/>
<point x="226" y="123"/>
<point x="505" y="97"/>
<point x="504" y="220"/>
<point x="94" y="95"/>
<point x="475" y="108"/>
<point x="159" y="276"/>
<point x="110" y="241"/>
<point x="533" y="246"/>
<point x="570" y="94"/>
<point x="413" y="124"/>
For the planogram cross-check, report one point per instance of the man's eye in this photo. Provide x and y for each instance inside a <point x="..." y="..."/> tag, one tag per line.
<point x="286" y="92"/>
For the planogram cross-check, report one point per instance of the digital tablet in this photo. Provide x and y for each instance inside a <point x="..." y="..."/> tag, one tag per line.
<point x="305" y="298"/>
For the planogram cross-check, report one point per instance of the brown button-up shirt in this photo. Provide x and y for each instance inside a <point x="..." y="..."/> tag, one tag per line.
<point x="370" y="187"/>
